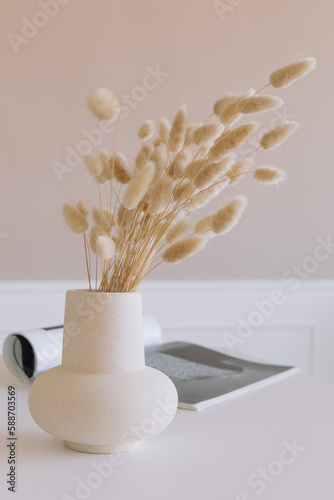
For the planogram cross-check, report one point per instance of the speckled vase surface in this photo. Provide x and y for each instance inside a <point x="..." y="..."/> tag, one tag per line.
<point x="102" y="398"/>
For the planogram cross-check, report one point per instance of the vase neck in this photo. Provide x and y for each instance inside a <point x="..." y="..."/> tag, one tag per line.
<point x="103" y="332"/>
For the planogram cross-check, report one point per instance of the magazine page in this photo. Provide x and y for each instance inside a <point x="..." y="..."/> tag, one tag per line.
<point x="203" y="375"/>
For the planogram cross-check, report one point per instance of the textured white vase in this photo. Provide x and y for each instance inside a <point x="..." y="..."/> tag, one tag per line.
<point x="102" y="398"/>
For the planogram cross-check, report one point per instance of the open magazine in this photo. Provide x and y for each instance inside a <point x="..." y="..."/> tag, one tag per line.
<point x="204" y="377"/>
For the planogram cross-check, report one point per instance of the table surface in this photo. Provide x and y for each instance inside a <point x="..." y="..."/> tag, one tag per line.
<point x="275" y="443"/>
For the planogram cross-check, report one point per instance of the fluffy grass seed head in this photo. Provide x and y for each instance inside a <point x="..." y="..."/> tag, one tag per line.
<point x="182" y="249"/>
<point x="178" y="130"/>
<point x="278" y="135"/>
<point x="160" y="195"/>
<point x="228" y="107"/>
<point x="239" y="170"/>
<point x="194" y="167"/>
<point x="157" y="229"/>
<point x="231" y="111"/>
<point x="230" y="140"/>
<point x="124" y="217"/>
<point x="83" y="207"/>
<point x="144" y="155"/>
<point x="105" y="247"/>
<point x="203" y="226"/>
<point x="95" y="232"/>
<point x="181" y="190"/>
<point x="203" y="152"/>
<point x="228" y="217"/>
<point x="139" y="186"/>
<point x="159" y="157"/>
<point x="107" y="167"/>
<point x="204" y="132"/>
<point x="74" y="218"/>
<point x="121" y="169"/>
<point x="212" y="171"/>
<point x="289" y="74"/>
<point x="178" y="166"/>
<point x="104" y="104"/>
<point x="199" y="199"/>
<point x="190" y="133"/>
<point x="103" y="218"/>
<point x="220" y="104"/>
<point x="269" y="175"/>
<point x="177" y="231"/>
<point x="94" y="165"/>
<point x="164" y="130"/>
<point x="146" y="130"/>
<point x="260" y="103"/>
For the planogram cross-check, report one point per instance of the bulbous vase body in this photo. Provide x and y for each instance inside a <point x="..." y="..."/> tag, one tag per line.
<point x="102" y="398"/>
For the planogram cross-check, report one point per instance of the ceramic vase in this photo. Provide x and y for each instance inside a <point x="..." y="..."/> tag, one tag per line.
<point x="102" y="398"/>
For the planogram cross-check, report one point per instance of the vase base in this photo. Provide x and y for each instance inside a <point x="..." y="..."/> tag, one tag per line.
<point x="101" y="448"/>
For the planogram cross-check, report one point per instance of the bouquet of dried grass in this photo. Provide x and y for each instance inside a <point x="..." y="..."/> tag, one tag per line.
<point x="144" y="212"/>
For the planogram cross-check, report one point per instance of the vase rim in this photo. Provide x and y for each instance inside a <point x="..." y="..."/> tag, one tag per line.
<point x="105" y="293"/>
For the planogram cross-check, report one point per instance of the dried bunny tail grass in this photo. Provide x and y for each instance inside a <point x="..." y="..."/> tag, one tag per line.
<point x="177" y="231"/>
<point x="160" y="195"/>
<point x="229" y="106"/>
<point x="212" y="171"/>
<point x="94" y="165"/>
<point x="159" y="157"/>
<point x="146" y="130"/>
<point x="164" y="130"/>
<point x="230" y="140"/>
<point x="124" y="217"/>
<point x="158" y="229"/>
<point x="239" y="170"/>
<point x="269" y="175"/>
<point x="199" y="200"/>
<point x="95" y="232"/>
<point x="103" y="218"/>
<point x="183" y="249"/>
<point x="144" y="155"/>
<point x="177" y="168"/>
<point x="228" y="217"/>
<point x="105" y="247"/>
<point x="143" y="207"/>
<point x="121" y="169"/>
<point x="194" y="167"/>
<point x="189" y="136"/>
<point x="107" y="163"/>
<point x="139" y="186"/>
<point x="204" y="225"/>
<point x="287" y="75"/>
<point x="83" y="207"/>
<point x="204" y="150"/>
<point x="178" y="130"/>
<point x="220" y="104"/>
<point x="76" y="221"/>
<point x="180" y="191"/>
<point x="260" y="103"/>
<point x="117" y="242"/>
<point x="278" y="135"/>
<point x="104" y="104"/>
<point x="202" y="133"/>
<point x="143" y="254"/>
<point x="181" y="162"/>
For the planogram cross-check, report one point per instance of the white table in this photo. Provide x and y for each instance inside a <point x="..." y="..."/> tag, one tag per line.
<point x="208" y="455"/>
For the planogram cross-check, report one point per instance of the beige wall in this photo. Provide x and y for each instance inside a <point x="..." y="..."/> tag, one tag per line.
<point x="107" y="42"/>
